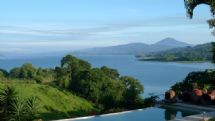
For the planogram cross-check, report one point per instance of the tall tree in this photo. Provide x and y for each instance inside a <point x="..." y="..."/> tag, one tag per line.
<point x="192" y="4"/>
<point x="132" y="90"/>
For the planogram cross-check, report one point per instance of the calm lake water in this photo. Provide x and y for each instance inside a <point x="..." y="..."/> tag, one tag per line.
<point x="157" y="77"/>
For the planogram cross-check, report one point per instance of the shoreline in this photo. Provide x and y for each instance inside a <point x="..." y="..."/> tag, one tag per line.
<point x="164" y="61"/>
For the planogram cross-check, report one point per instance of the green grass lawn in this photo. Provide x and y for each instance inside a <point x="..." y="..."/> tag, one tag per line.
<point x="54" y="103"/>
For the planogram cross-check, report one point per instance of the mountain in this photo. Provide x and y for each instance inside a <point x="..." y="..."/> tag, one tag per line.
<point x="171" y="42"/>
<point x="196" y="53"/>
<point x="132" y="48"/>
<point x="136" y="48"/>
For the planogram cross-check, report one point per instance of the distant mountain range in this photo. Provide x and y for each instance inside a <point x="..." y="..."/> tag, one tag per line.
<point x="136" y="48"/>
<point x="196" y="53"/>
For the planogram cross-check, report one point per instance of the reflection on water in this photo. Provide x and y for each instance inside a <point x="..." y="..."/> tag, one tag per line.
<point x="173" y="113"/>
<point x="149" y="114"/>
<point x="170" y="114"/>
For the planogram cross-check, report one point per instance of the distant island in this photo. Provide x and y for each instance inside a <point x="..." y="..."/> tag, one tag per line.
<point x="196" y="53"/>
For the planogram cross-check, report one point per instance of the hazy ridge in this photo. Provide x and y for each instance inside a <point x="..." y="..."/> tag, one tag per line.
<point x="136" y="48"/>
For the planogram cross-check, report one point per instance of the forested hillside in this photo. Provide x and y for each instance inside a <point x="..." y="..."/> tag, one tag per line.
<point x="196" y="53"/>
<point x="72" y="89"/>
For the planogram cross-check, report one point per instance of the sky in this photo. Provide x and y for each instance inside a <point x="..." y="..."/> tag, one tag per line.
<point x="37" y="26"/>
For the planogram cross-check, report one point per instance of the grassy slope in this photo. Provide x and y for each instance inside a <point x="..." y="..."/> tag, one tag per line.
<point x="54" y="103"/>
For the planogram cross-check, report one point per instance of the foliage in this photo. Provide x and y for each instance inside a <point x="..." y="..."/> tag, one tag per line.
<point x="112" y="73"/>
<point x="4" y="72"/>
<point x="132" y="88"/>
<point x="104" y="87"/>
<point x="100" y="85"/>
<point x="203" y="80"/>
<point x="25" y="110"/>
<point x="70" y="67"/>
<point x="150" y="101"/>
<point x="15" y="109"/>
<point x="196" y="53"/>
<point x="192" y="4"/>
<point x="50" y="102"/>
<point x="29" y="72"/>
<point x="8" y="97"/>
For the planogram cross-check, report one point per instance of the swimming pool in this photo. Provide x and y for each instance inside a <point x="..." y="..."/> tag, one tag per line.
<point x="149" y="114"/>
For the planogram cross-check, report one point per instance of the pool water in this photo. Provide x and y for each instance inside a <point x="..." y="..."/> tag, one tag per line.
<point x="149" y="114"/>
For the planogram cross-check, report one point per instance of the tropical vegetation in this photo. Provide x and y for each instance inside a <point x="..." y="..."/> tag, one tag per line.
<point x="196" y="80"/>
<point x="192" y="4"/>
<point x="72" y="89"/>
<point x="196" y="53"/>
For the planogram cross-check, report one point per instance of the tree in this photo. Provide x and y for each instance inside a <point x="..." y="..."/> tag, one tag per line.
<point x="28" y="71"/>
<point x="4" y="72"/>
<point x="192" y="4"/>
<point x="103" y="86"/>
<point x="112" y="73"/>
<point x="69" y="70"/>
<point x="72" y="63"/>
<point x="132" y="91"/>
<point x="15" y="73"/>
<point x="62" y="77"/>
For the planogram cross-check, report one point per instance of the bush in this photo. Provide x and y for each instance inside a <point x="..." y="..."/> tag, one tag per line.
<point x="150" y="101"/>
<point x="13" y="108"/>
<point x="196" y="80"/>
<point x="28" y="72"/>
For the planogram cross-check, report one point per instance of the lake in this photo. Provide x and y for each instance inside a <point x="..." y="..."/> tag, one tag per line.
<point x="157" y="77"/>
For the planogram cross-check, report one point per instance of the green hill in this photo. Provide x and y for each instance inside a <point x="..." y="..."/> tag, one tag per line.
<point x="54" y="103"/>
<point x="103" y="90"/>
<point x="195" y="53"/>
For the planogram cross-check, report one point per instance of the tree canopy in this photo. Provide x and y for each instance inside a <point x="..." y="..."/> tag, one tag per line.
<point x="192" y="4"/>
<point x="103" y="86"/>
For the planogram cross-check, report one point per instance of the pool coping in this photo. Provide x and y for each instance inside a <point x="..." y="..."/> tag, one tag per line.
<point x="184" y="106"/>
<point x="102" y="115"/>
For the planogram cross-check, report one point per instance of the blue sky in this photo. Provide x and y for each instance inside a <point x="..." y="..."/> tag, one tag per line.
<point x="59" y="25"/>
